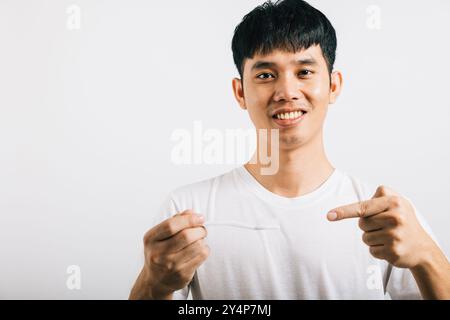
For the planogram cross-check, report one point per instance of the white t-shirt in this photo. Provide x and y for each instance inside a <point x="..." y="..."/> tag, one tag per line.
<point x="266" y="246"/>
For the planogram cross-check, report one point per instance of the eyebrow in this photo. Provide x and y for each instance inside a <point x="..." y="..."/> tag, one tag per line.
<point x="258" y="65"/>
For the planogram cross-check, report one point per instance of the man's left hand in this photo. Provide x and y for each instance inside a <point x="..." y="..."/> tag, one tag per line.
<point x="391" y="229"/>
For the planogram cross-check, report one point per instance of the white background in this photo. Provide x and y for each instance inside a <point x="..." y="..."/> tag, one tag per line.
<point x="86" y="119"/>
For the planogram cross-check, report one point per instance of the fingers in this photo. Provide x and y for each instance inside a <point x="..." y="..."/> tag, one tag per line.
<point x="189" y="262"/>
<point x="190" y="256"/>
<point x="372" y="223"/>
<point x="195" y="256"/>
<point x="173" y="225"/>
<point x="387" y="219"/>
<point x="382" y="200"/>
<point x="360" y="209"/>
<point x="377" y="251"/>
<point x="377" y="238"/>
<point x="193" y="250"/>
<point x="181" y="240"/>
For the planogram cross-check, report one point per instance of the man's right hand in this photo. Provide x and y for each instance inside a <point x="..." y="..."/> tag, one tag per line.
<point x="174" y="249"/>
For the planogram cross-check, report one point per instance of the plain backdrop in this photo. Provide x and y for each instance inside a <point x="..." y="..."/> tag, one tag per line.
<point x="87" y="115"/>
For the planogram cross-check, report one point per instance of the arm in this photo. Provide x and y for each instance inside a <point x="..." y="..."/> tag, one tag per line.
<point x="433" y="275"/>
<point x="142" y="289"/>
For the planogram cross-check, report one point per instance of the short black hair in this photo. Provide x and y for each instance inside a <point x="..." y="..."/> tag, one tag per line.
<point x="288" y="25"/>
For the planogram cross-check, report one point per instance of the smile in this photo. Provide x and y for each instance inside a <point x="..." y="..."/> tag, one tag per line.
<point x="288" y="119"/>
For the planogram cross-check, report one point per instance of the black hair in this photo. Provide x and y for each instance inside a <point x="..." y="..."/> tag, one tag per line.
<point x="288" y="25"/>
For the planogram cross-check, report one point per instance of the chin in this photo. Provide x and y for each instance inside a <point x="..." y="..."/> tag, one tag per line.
<point x="289" y="142"/>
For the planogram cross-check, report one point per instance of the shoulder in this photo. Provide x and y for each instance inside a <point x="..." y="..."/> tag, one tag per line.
<point x="202" y="187"/>
<point x="200" y="195"/>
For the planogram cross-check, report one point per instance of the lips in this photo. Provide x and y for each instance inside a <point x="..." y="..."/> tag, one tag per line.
<point x="286" y="110"/>
<point x="288" y="115"/>
<point x="289" y="122"/>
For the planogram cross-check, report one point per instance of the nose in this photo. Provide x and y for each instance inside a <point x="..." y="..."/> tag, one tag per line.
<point x="287" y="89"/>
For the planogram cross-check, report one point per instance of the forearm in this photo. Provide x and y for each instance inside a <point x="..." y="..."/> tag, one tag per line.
<point x="143" y="289"/>
<point x="433" y="275"/>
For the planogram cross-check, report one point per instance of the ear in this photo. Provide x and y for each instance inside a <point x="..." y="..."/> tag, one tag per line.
<point x="336" y="86"/>
<point x="238" y="91"/>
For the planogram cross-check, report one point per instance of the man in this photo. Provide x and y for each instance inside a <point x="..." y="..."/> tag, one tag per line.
<point x="276" y="236"/>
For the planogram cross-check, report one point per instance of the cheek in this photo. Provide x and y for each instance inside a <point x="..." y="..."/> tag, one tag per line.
<point x="318" y="94"/>
<point x="260" y="95"/>
<point x="317" y="90"/>
<point x="257" y="103"/>
<point x="257" y="114"/>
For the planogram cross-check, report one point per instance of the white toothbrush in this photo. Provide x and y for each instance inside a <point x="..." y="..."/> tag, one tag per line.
<point x="240" y="225"/>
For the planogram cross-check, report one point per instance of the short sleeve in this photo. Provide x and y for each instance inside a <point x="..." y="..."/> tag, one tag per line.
<point x="168" y="209"/>
<point x="401" y="284"/>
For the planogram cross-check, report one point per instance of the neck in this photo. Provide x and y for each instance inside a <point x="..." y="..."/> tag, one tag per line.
<point x="301" y="170"/>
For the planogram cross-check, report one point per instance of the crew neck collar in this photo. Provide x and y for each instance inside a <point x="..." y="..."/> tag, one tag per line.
<point x="274" y="198"/>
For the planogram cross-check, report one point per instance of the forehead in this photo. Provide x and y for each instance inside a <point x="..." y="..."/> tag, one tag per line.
<point x="284" y="59"/>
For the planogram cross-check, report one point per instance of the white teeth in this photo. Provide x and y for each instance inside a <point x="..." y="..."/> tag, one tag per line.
<point x="289" y="115"/>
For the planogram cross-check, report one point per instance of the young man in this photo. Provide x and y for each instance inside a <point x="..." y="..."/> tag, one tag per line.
<point x="276" y="236"/>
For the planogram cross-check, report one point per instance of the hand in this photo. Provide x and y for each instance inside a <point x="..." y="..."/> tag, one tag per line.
<point x="391" y="229"/>
<point x="174" y="249"/>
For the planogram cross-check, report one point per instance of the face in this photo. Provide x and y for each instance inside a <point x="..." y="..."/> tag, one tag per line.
<point x="290" y="92"/>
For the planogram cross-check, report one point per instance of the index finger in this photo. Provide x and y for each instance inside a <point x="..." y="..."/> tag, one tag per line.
<point x="175" y="224"/>
<point x="360" y="209"/>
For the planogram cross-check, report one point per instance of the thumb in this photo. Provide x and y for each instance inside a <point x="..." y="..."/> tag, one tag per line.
<point x="384" y="191"/>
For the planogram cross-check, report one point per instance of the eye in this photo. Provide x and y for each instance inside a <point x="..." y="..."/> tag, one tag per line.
<point x="263" y="74"/>
<point x="305" y="73"/>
